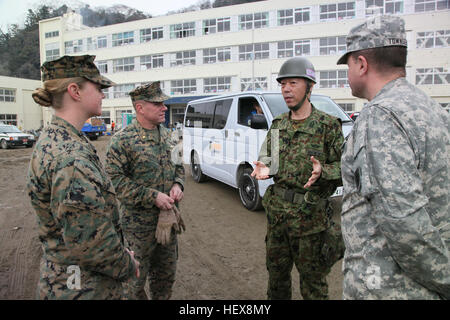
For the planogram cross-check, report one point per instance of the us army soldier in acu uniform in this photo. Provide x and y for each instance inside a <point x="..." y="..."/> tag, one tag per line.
<point x="395" y="170"/>
<point x="76" y="208"/>
<point x="146" y="179"/>
<point x="302" y="152"/>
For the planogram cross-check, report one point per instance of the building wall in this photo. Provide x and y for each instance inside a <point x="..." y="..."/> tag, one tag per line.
<point x="16" y="104"/>
<point x="428" y="67"/>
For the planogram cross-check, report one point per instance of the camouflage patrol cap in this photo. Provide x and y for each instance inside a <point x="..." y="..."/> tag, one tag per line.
<point x="149" y="92"/>
<point x="72" y="67"/>
<point x="376" y="32"/>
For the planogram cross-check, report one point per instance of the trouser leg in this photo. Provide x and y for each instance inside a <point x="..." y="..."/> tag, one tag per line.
<point x="312" y="270"/>
<point x="140" y="243"/>
<point x="279" y="264"/>
<point x="163" y="264"/>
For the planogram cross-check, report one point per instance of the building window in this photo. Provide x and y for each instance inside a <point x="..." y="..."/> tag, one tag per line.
<point x="219" y="84"/>
<point x="302" y="47"/>
<point x="337" y="11"/>
<point x="102" y="66"/>
<point x="151" y="34"/>
<point x="224" y="54"/>
<point x="213" y="55"/>
<point x="209" y="55"/>
<point x="106" y="93"/>
<point x="426" y="76"/>
<point x="182" y="30"/>
<point x="333" y="79"/>
<point x="123" y="38"/>
<point x="73" y="46"/>
<point x="148" y="62"/>
<point x="302" y="15"/>
<point x="7" y="95"/>
<point x="122" y="65"/>
<point x="374" y="7"/>
<point x="51" y="51"/>
<point x="216" y="25"/>
<point x="254" y="20"/>
<point x="332" y="45"/>
<point x="285" y="17"/>
<point x="431" y="5"/>
<point x="52" y="34"/>
<point x="347" y="106"/>
<point x="257" y="50"/>
<point x="185" y="86"/>
<point x="258" y="83"/>
<point x="182" y="58"/>
<point x="119" y="114"/>
<point x="9" y="118"/>
<point x="123" y="90"/>
<point x="433" y="39"/>
<point x="102" y="42"/>
<point x="287" y="49"/>
<point x="106" y="116"/>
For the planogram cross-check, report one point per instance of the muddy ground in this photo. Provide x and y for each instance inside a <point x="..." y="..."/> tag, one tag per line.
<point x="221" y="255"/>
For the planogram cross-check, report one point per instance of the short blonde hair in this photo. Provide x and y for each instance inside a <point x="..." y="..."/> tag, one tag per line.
<point x="53" y="91"/>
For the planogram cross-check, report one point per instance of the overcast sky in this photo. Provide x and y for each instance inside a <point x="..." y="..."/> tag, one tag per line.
<point x="14" y="11"/>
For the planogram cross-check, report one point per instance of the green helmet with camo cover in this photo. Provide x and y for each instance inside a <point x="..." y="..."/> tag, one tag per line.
<point x="72" y="67"/>
<point x="297" y="67"/>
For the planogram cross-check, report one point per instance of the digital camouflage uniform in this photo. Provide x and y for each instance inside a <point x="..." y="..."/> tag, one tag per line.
<point x="299" y="228"/>
<point x="76" y="208"/>
<point x="395" y="168"/>
<point x="140" y="166"/>
<point x="78" y="217"/>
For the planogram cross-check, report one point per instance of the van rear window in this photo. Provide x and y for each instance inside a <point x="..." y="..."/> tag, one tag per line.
<point x="211" y="114"/>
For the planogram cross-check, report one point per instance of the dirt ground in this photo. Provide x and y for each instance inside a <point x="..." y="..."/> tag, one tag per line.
<point x="221" y="255"/>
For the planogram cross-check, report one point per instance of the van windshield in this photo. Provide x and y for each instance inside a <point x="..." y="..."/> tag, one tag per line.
<point x="277" y="105"/>
<point x="9" y="129"/>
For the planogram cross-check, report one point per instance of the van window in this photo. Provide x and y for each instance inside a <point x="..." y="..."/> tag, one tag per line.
<point x="203" y="112"/>
<point x="246" y="109"/>
<point x="221" y="114"/>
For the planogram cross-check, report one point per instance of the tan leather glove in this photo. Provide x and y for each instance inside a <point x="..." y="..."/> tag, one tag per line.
<point x="180" y="222"/>
<point x="166" y="220"/>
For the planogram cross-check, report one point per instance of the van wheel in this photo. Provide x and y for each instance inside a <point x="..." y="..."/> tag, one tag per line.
<point x="248" y="191"/>
<point x="196" y="170"/>
<point x="4" y="144"/>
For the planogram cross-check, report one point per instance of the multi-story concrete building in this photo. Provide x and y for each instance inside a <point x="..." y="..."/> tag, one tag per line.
<point x="242" y="47"/>
<point x="17" y="107"/>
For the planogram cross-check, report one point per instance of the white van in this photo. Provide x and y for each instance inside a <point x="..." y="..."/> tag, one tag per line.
<point x="221" y="139"/>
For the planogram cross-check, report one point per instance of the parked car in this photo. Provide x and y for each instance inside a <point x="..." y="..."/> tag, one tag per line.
<point x="11" y="136"/>
<point x="222" y="137"/>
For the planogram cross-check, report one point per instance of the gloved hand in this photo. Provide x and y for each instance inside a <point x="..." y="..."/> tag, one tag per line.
<point x="180" y="222"/>
<point x="166" y="220"/>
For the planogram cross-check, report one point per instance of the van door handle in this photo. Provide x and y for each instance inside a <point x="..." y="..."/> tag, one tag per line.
<point x="226" y="134"/>
<point x="237" y="134"/>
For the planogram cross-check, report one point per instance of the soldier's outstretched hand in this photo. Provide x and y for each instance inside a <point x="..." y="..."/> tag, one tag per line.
<point x="261" y="171"/>
<point x="315" y="174"/>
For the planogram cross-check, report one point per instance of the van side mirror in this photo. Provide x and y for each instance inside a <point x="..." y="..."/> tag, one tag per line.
<point x="258" y="121"/>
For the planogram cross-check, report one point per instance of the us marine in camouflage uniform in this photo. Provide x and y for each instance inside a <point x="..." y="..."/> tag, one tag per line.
<point x="302" y="152"/>
<point x="76" y="208"/>
<point x="395" y="168"/>
<point x="139" y="162"/>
